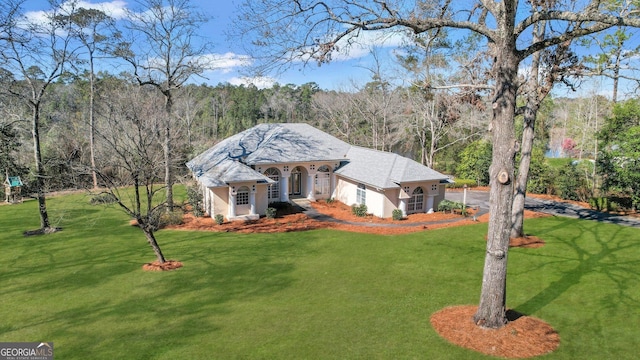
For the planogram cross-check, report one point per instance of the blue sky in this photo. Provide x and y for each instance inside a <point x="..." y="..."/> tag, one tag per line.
<point x="341" y="74"/>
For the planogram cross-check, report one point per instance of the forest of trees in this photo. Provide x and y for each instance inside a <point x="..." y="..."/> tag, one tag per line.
<point x="57" y="105"/>
<point x="204" y="115"/>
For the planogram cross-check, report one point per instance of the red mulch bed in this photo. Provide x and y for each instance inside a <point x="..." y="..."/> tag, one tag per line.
<point x="337" y="210"/>
<point x="522" y="337"/>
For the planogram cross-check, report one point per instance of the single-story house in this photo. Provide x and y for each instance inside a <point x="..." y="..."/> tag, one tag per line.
<point x="241" y="175"/>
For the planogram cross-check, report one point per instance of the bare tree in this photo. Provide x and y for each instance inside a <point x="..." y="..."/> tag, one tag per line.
<point x="436" y="112"/>
<point x="93" y="28"/>
<point x="186" y="109"/>
<point x="10" y="139"/>
<point x="284" y="32"/>
<point x="35" y="53"/>
<point x="9" y="12"/>
<point x="130" y="131"/>
<point x="438" y="121"/>
<point x="378" y="103"/>
<point x="165" y="50"/>
<point x="614" y="60"/>
<point x="336" y="115"/>
<point x="548" y="67"/>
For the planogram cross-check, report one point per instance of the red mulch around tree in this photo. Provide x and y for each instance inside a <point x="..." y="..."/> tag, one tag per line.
<point x="167" y="265"/>
<point x="526" y="241"/>
<point x="522" y="337"/>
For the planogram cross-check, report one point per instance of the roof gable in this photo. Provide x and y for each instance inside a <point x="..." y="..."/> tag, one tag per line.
<point x="13" y="181"/>
<point x="230" y="172"/>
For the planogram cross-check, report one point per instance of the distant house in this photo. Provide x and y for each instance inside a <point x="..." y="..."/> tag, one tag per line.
<point x="268" y="163"/>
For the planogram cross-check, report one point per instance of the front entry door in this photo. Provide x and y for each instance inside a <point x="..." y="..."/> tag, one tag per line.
<point x="295" y="185"/>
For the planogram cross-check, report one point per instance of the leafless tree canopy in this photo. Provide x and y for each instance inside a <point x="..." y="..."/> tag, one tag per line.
<point x="282" y="33"/>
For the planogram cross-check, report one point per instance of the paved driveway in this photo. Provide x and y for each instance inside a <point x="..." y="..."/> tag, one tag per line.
<point x="481" y="199"/>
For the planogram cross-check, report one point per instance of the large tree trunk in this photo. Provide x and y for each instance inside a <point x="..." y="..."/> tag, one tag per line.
<point x="616" y="75"/>
<point x="517" y="228"/>
<point x="168" y="163"/>
<point x="168" y="171"/>
<point x="528" y="134"/>
<point x="491" y="310"/>
<point x="535" y="95"/>
<point x="42" y="204"/>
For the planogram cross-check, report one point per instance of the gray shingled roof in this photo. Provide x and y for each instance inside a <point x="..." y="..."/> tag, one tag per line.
<point x="384" y="169"/>
<point x="230" y="160"/>
<point x="229" y="172"/>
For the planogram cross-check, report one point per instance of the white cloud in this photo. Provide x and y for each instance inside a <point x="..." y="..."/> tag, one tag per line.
<point x="361" y="46"/>
<point x="261" y="82"/>
<point x="117" y="9"/>
<point x="227" y="62"/>
<point x="37" y="17"/>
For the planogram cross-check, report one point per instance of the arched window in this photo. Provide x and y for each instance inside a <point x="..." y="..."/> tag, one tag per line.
<point x="242" y="196"/>
<point x="273" y="193"/>
<point x="416" y="201"/>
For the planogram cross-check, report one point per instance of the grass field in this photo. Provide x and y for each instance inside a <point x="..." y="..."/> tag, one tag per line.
<point x="307" y="295"/>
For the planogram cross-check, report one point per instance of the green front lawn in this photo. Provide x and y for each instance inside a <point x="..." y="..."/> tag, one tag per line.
<point x="307" y="295"/>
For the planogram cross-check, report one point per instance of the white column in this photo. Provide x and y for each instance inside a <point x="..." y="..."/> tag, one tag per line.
<point x="311" y="187"/>
<point x="403" y="206"/>
<point x="232" y="204"/>
<point x="332" y="188"/>
<point x="207" y="202"/>
<point x="284" y="188"/>
<point x="464" y="196"/>
<point x="252" y="202"/>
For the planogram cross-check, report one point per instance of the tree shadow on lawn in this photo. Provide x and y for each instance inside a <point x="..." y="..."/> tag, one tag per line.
<point x="64" y="273"/>
<point x="180" y="305"/>
<point x="594" y="250"/>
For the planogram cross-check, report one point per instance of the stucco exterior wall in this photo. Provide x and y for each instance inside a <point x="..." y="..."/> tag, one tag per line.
<point x="345" y="191"/>
<point x="439" y="196"/>
<point x="262" y="201"/>
<point x="391" y="202"/>
<point x="378" y="202"/>
<point x="220" y="198"/>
